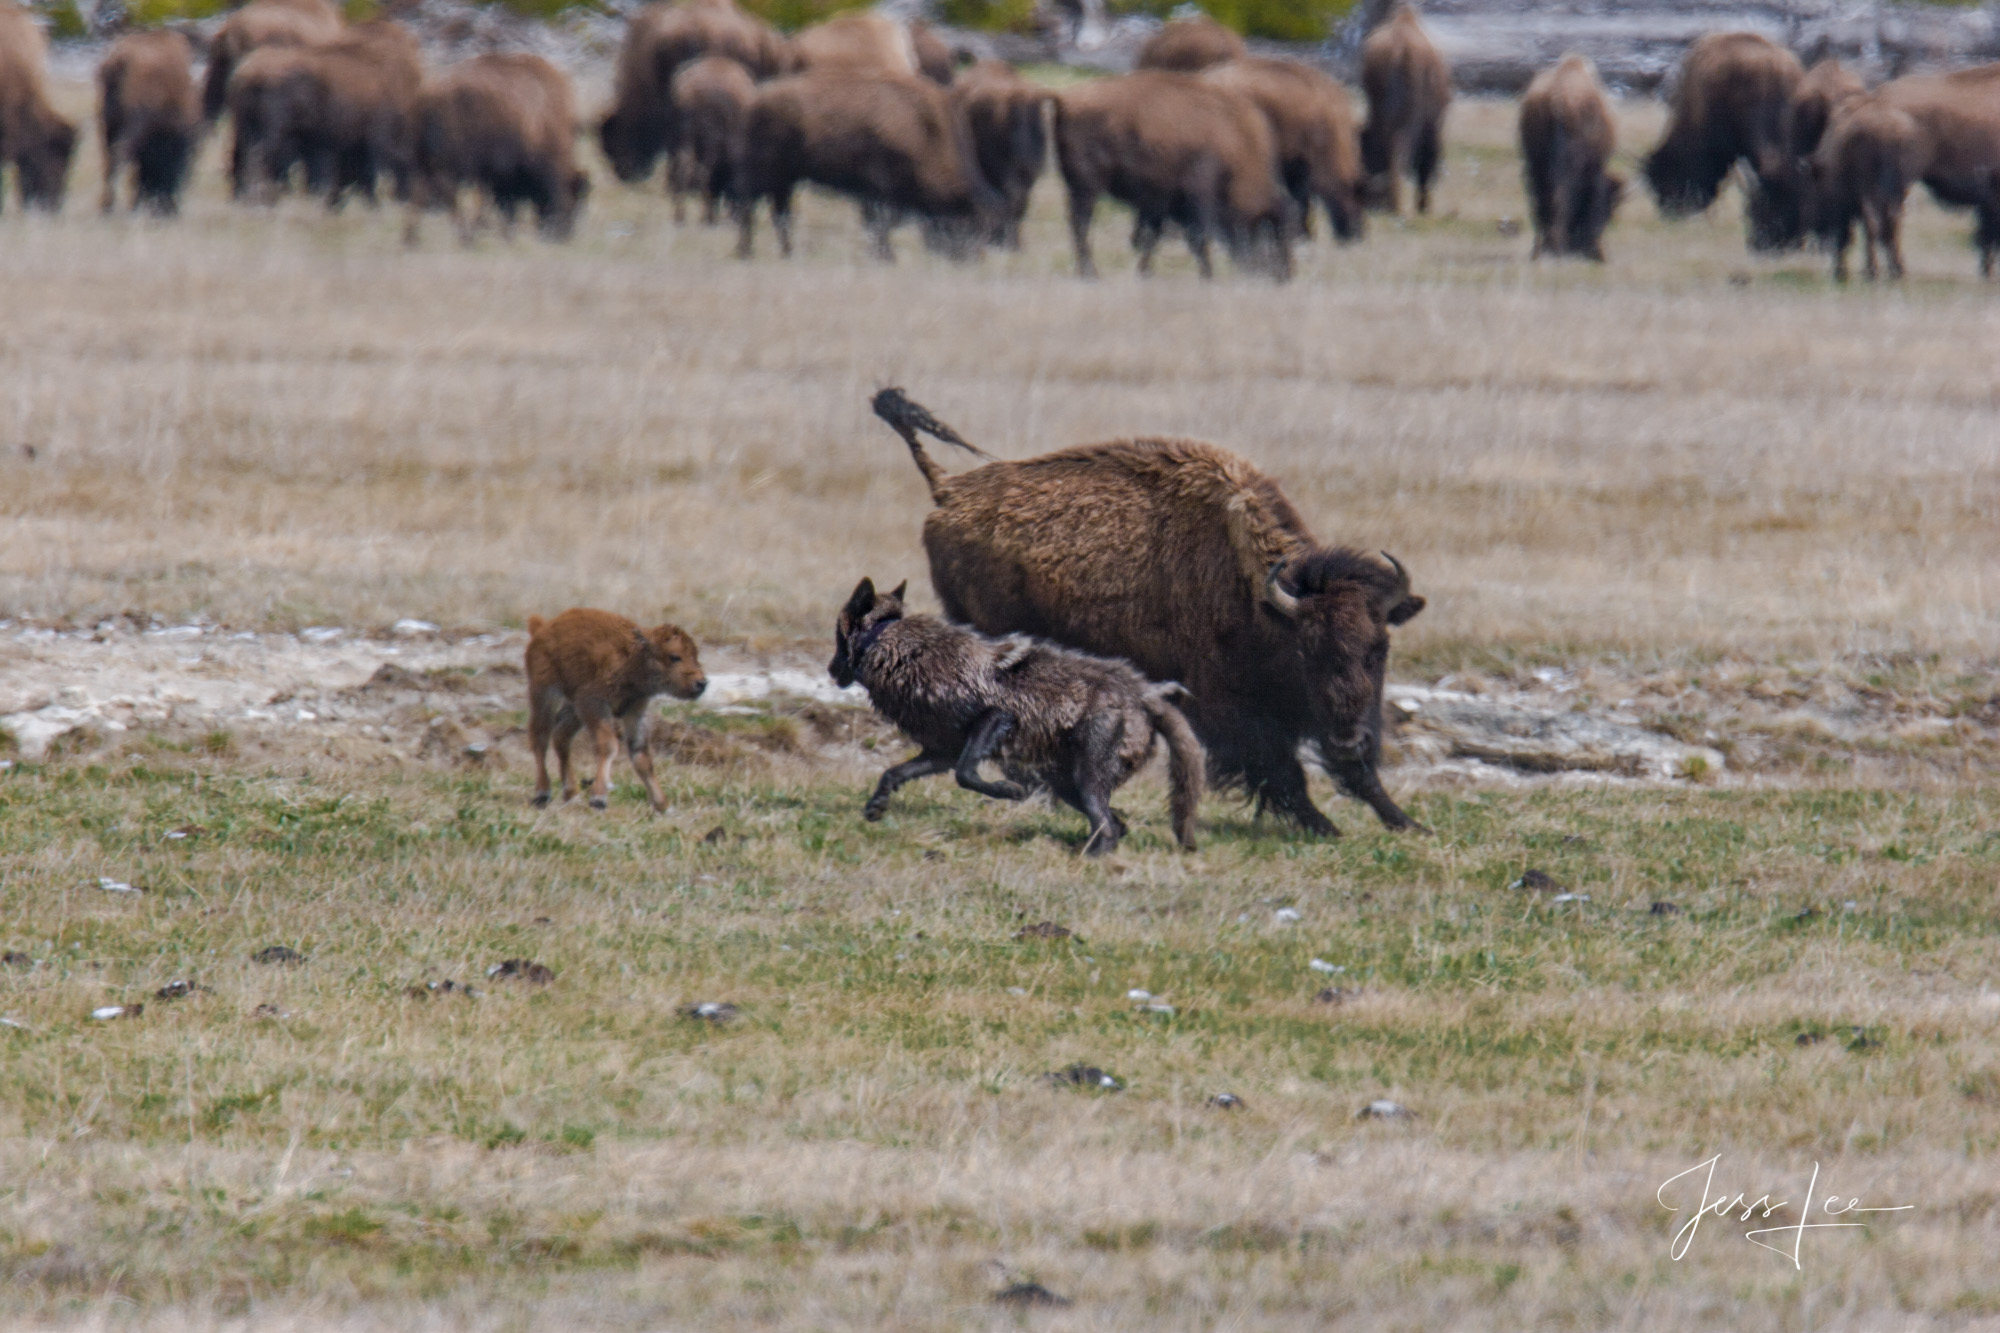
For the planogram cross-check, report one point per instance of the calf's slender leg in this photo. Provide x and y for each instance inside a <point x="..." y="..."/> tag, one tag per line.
<point x="634" y="721"/>
<point x="567" y="725"/>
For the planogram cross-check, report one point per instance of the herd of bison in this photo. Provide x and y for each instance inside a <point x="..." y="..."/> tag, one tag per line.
<point x="1224" y="145"/>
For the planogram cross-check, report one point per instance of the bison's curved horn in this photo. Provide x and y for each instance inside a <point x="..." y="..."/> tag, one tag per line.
<point x="1281" y="601"/>
<point x="1402" y="575"/>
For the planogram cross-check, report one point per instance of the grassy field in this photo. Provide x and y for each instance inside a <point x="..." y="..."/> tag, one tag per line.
<point x="1717" y="474"/>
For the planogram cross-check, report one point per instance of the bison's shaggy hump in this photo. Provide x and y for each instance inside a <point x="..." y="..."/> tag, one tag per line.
<point x="33" y="135"/>
<point x="862" y="43"/>
<point x="1190" y="45"/>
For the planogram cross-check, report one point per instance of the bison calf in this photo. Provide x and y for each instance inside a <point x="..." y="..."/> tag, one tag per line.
<point x="599" y="670"/>
<point x="1566" y="138"/>
<point x="506" y="125"/>
<point x="1055" y="719"/>
<point x="150" y="114"/>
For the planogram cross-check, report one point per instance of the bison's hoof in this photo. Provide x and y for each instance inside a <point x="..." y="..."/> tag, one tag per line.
<point x="599" y="803"/>
<point x="541" y="799"/>
<point x="873" y="813"/>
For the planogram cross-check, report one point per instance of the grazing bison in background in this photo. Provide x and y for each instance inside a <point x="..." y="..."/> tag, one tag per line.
<point x="859" y="43"/>
<point x="260" y="158"/>
<point x="1175" y="149"/>
<point x="1409" y="89"/>
<point x="1005" y="114"/>
<point x="642" y="125"/>
<point x="1312" y="124"/>
<point x="1728" y="106"/>
<point x="1776" y="204"/>
<point x="934" y="58"/>
<point x="1055" y="719"/>
<point x="1566" y="138"/>
<point x="260" y="24"/>
<point x="1189" y="563"/>
<point x="1941" y="129"/>
<point x="1190" y="45"/>
<point x="712" y="99"/>
<point x="596" y="669"/>
<point x="504" y="124"/>
<point x="347" y="110"/>
<point x="150" y="113"/>
<point x="33" y="135"/>
<point x="895" y="145"/>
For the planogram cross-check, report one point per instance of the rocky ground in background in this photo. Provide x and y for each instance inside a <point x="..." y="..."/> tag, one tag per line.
<point x="409" y="694"/>
<point x="1493" y="45"/>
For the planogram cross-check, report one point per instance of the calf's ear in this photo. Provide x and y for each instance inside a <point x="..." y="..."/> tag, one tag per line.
<point x="862" y="601"/>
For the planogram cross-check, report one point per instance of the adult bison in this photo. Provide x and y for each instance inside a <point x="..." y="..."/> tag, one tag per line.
<point x="897" y="146"/>
<point x="712" y="99"/>
<point x="1728" y="107"/>
<point x="504" y="124"/>
<point x="33" y="134"/>
<point x="1191" y="564"/>
<point x="259" y="24"/>
<point x="347" y="110"/>
<point x="1006" y="117"/>
<point x="1409" y="89"/>
<point x="1776" y="204"/>
<point x="1566" y="138"/>
<point x="860" y="43"/>
<point x="1190" y="45"/>
<point x="1941" y="129"/>
<point x="150" y="113"/>
<point x="1175" y="149"/>
<point x="1312" y="124"/>
<point x="642" y="124"/>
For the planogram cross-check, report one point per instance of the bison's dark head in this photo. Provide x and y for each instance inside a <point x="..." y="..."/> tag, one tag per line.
<point x="1685" y="174"/>
<point x="632" y="143"/>
<point x="862" y="620"/>
<point x="41" y="160"/>
<point x="1340" y="604"/>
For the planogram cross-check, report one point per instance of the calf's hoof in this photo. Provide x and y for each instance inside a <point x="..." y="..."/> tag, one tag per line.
<point x="541" y="799"/>
<point x="599" y="803"/>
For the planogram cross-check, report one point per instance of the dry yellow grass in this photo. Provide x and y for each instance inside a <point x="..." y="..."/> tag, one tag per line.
<point x="283" y="419"/>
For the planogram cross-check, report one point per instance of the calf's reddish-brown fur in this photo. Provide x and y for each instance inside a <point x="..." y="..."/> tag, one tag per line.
<point x="599" y="670"/>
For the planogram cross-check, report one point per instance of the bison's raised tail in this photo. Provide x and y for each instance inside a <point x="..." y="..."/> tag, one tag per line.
<point x="1185" y="762"/>
<point x="907" y="418"/>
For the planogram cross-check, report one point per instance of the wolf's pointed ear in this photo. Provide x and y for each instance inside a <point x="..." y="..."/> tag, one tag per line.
<point x="901" y="588"/>
<point x="863" y="599"/>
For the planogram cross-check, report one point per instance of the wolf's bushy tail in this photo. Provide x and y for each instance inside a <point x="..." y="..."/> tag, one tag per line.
<point x="1186" y="764"/>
